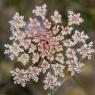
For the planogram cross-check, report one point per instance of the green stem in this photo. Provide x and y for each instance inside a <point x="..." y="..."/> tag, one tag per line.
<point x="51" y="92"/>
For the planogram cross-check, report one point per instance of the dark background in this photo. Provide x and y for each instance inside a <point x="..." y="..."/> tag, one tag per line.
<point x="81" y="84"/>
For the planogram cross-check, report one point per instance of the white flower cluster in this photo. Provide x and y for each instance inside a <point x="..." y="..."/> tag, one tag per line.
<point x="40" y="11"/>
<point x="33" y="73"/>
<point x="24" y="58"/>
<point x="56" y="17"/>
<point x="58" y="69"/>
<point x="17" y="21"/>
<point x="51" y="81"/>
<point x="79" y="37"/>
<point x="13" y="50"/>
<point x="86" y="50"/>
<point x="74" y="66"/>
<point x="47" y="47"/>
<point x="20" y="76"/>
<point x="74" y="18"/>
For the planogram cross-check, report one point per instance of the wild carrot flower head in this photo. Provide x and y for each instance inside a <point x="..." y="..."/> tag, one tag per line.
<point x="47" y="46"/>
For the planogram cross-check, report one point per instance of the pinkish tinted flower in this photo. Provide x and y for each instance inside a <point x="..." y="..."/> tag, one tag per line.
<point x="34" y="73"/>
<point x="47" y="46"/>
<point x="74" y="18"/>
<point x="56" y="18"/>
<point x="66" y="30"/>
<point x="51" y="82"/>
<point x="47" y="24"/>
<point x="20" y="76"/>
<point x="45" y="65"/>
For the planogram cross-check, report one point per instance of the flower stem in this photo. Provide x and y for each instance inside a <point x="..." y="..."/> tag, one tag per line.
<point x="51" y="92"/>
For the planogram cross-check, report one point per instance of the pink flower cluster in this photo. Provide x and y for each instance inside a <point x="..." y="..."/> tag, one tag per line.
<point x="48" y="47"/>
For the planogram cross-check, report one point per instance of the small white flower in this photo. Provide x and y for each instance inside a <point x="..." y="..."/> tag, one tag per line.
<point x="35" y="58"/>
<point x="13" y="50"/>
<point x="71" y="54"/>
<point x="20" y="76"/>
<point x="79" y="37"/>
<point x="50" y="57"/>
<point x="32" y="48"/>
<point x="47" y="24"/>
<point x="58" y="69"/>
<point x="86" y="50"/>
<point x="55" y="29"/>
<point x="74" y="18"/>
<point x="59" y="38"/>
<point x="45" y="66"/>
<point x="40" y="11"/>
<point x="18" y="35"/>
<point x="33" y="23"/>
<point x="74" y="66"/>
<point x="25" y="43"/>
<point x="56" y="18"/>
<point x="24" y="58"/>
<point x="51" y="82"/>
<point x="34" y="73"/>
<point x="59" y="48"/>
<point x="66" y="30"/>
<point x="68" y="43"/>
<point x="60" y="58"/>
<point x="17" y="21"/>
